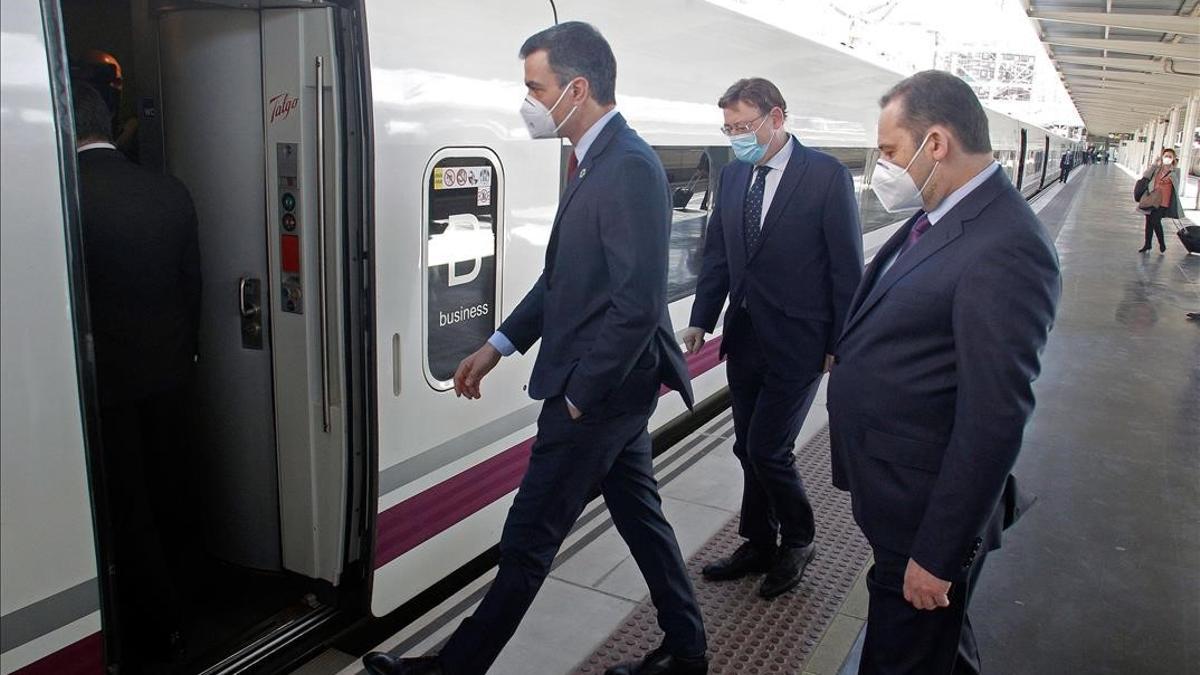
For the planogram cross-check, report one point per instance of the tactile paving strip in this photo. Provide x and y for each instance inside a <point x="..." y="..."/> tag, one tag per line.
<point x="748" y="635"/>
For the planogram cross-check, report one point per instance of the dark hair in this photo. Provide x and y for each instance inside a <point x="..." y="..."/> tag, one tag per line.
<point x="935" y="97"/>
<point x="760" y="93"/>
<point x="576" y="49"/>
<point x="1172" y="151"/>
<point x="92" y="117"/>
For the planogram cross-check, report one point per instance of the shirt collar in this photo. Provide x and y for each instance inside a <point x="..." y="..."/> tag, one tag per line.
<point x="589" y="136"/>
<point x="961" y="193"/>
<point x="780" y="161"/>
<point x="96" y="145"/>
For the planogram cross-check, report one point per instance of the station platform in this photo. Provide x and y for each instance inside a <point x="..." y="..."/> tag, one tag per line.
<point x="1102" y="575"/>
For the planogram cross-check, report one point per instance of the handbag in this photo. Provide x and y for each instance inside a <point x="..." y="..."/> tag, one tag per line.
<point x="1139" y="189"/>
<point x="1150" y="199"/>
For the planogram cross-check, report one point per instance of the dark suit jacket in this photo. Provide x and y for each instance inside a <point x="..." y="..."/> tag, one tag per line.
<point x="805" y="270"/>
<point x="600" y="305"/>
<point x="142" y="257"/>
<point x="933" y="383"/>
<point x="1065" y="162"/>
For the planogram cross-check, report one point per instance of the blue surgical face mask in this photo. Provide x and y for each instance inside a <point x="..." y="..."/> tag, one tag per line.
<point x="746" y="146"/>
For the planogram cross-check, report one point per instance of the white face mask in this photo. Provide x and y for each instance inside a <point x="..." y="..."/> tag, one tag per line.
<point x="538" y="118"/>
<point x="895" y="187"/>
<point x="1168" y="161"/>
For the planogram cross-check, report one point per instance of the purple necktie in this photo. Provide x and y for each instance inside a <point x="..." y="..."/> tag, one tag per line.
<point x="919" y="228"/>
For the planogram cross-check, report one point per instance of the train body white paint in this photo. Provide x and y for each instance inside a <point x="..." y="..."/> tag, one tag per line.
<point x="424" y="216"/>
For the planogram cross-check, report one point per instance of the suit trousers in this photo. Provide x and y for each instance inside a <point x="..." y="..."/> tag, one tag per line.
<point x="570" y="461"/>
<point x="768" y="411"/>
<point x="145" y="465"/>
<point x="904" y="640"/>
<point x="1154" y="226"/>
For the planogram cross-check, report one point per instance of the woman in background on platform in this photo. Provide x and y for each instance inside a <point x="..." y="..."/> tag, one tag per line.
<point x="1164" y="177"/>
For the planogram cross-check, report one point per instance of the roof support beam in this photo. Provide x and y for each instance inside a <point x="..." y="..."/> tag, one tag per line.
<point x="1148" y="47"/>
<point x="1128" y="89"/>
<point x="1176" y="81"/>
<point x="1155" y="23"/>
<point x="1137" y="65"/>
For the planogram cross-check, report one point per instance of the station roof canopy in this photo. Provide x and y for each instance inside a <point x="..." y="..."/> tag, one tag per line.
<point x="1124" y="62"/>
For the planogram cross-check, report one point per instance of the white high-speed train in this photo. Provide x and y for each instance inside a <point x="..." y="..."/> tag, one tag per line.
<point x="370" y="207"/>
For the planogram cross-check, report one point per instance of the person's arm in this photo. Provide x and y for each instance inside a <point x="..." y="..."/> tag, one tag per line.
<point x="1003" y="310"/>
<point x="634" y="231"/>
<point x="843" y="239"/>
<point x="523" y="327"/>
<point x="519" y="331"/>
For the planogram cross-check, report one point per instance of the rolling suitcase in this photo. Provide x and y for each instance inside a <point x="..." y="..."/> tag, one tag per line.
<point x="1190" y="236"/>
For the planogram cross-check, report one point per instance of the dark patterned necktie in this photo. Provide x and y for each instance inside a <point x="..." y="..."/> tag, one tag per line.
<point x="752" y="211"/>
<point x="919" y="228"/>
<point x="572" y="167"/>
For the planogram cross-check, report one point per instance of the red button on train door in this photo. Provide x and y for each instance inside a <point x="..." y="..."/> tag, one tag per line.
<point x="289" y="253"/>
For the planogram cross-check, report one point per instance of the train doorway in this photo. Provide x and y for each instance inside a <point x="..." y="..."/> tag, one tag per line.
<point x="258" y="504"/>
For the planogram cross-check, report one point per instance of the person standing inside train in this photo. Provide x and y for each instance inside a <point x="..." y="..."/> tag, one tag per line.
<point x="784" y="245"/>
<point x="1164" y="177"/>
<point x="607" y="346"/>
<point x="933" y="383"/>
<point x="141" y="254"/>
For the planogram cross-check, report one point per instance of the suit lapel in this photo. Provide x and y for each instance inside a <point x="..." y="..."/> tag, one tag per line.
<point x="739" y="185"/>
<point x="615" y="126"/>
<point x="949" y="228"/>
<point x="793" y="175"/>
<point x="871" y="274"/>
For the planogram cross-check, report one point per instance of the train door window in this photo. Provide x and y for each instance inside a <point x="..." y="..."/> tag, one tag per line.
<point x="463" y="207"/>
<point x="691" y="175"/>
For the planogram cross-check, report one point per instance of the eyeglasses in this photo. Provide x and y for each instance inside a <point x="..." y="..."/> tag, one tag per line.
<point x="742" y="127"/>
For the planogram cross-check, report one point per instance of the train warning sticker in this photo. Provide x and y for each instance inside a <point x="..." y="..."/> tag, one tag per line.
<point x="483" y="196"/>
<point x="456" y="177"/>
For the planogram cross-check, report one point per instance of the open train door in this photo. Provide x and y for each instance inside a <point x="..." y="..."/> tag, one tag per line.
<point x="253" y="125"/>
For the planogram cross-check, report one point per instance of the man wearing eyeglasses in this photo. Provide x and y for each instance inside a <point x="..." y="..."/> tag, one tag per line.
<point x="784" y="245"/>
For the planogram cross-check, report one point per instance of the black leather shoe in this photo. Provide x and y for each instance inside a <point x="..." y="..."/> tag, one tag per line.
<point x="785" y="574"/>
<point x="1143" y="249"/>
<point x="746" y="560"/>
<point x="660" y="662"/>
<point x="381" y="663"/>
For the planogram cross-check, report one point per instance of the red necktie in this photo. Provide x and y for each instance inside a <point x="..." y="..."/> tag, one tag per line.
<point x="572" y="167"/>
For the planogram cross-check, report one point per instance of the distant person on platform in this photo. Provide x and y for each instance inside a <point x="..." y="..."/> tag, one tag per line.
<point x="141" y="253"/>
<point x="932" y="385"/>
<point x="1162" y="200"/>
<point x="599" y="310"/>
<point x="785" y="247"/>
<point x="1064" y="166"/>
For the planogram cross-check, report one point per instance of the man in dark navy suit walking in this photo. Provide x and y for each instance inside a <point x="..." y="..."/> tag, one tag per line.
<point x="784" y="245"/>
<point x="600" y="311"/>
<point x="932" y="385"/>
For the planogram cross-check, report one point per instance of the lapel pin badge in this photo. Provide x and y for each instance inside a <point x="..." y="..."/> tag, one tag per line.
<point x="582" y="173"/>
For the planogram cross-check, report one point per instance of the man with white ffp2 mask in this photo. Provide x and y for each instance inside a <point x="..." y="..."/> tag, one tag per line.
<point x="599" y="310"/>
<point x="933" y="383"/>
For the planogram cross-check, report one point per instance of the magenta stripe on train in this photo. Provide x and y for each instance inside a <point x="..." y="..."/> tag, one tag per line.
<point x="427" y="514"/>
<point x="85" y="657"/>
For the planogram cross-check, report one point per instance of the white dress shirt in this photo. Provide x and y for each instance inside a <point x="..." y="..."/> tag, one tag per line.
<point x="778" y="165"/>
<point x="943" y="208"/>
<point x="98" y="144"/>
